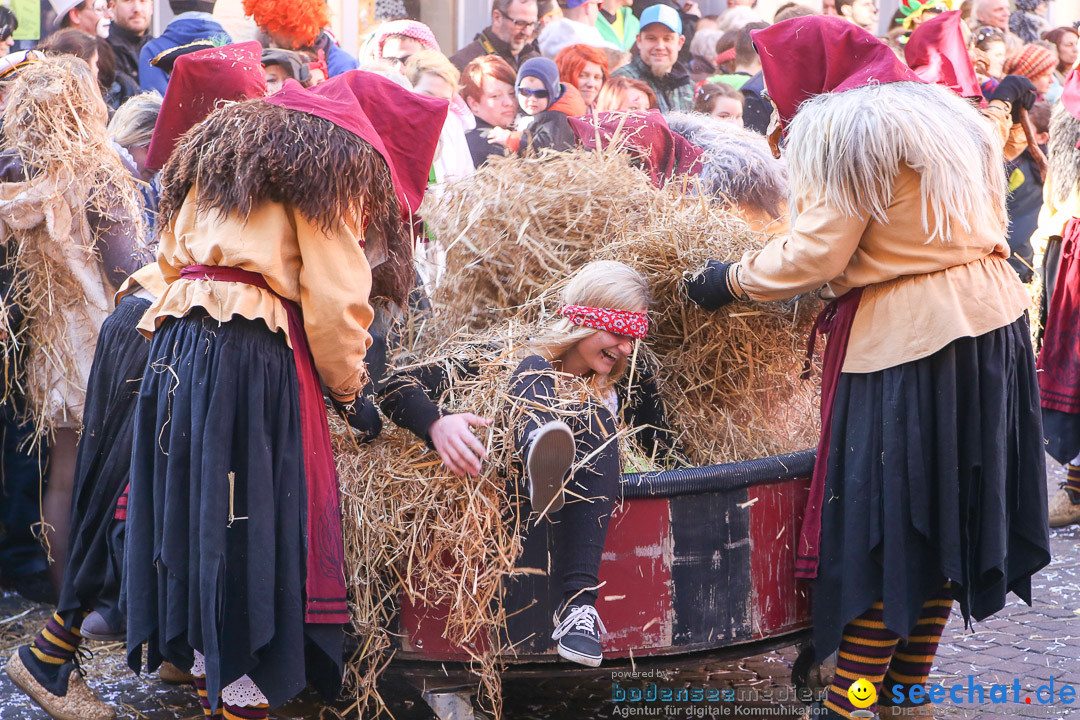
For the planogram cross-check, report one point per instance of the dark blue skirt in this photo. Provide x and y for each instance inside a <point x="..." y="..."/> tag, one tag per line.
<point x="92" y="578"/>
<point x="936" y="472"/>
<point x="216" y="518"/>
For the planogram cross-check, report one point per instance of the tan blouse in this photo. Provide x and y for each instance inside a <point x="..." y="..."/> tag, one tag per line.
<point x="146" y="282"/>
<point x="919" y="296"/>
<point x="327" y="275"/>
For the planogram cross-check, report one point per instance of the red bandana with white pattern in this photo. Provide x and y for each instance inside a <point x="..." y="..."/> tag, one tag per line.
<point x="617" y="322"/>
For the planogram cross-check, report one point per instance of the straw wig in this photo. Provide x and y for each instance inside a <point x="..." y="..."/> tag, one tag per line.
<point x="847" y="148"/>
<point x="1063" y="154"/>
<point x="253" y="152"/>
<point x="737" y="165"/>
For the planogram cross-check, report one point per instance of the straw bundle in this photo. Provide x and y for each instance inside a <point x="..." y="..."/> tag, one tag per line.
<point x="519" y="227"/>
<point x="414" y="530"/>
<point x="730" y="379"/>
<point x="519" y="224"/>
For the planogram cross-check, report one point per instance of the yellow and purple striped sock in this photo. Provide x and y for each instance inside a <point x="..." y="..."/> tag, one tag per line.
<point x="55" y="644"/>
<point x="914" y="657"/>
<point x="865" y="652"/>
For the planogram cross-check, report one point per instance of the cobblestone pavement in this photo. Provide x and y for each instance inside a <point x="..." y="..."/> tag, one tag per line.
<point x="1038" y="647"/>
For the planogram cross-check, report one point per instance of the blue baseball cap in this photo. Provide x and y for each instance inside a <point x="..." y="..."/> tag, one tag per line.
<point x="663" y="14"/>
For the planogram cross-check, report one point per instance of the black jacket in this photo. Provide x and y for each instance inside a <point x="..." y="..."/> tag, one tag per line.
<point x="757" y="110"/>
<point x="479" y="147"/>
<point x="127" y="45"/>
<point x="486" y="43"/>
<point x="549" y="129"/>
<point x="410" y="399"/>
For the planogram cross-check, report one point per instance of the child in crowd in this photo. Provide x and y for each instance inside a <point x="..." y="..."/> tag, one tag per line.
<point x="721" y="101"/>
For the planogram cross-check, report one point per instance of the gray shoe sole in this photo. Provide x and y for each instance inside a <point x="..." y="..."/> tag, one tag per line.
<point x="551" y="453"/>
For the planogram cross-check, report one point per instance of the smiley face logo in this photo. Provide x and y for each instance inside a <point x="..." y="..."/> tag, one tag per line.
<point x="861" y="693"/>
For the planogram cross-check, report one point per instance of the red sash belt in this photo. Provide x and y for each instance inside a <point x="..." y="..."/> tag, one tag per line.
<point x="325" y="584"/>
<point x="835" y="321"/>
<point x="1059" y="361"/>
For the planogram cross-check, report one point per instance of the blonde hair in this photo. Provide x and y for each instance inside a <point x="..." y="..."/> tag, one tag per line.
<point x="604" y="284"/>
<point x="133" y="123"/>
<point x="432" y="62"/>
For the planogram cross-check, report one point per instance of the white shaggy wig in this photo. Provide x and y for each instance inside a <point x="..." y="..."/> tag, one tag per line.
<point x="737" y="166"/>
<point x="1063" y="154"/>
<point x="846" y="148"/>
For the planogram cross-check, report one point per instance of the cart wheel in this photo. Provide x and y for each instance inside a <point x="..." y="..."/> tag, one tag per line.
<point x="810" y="677"/>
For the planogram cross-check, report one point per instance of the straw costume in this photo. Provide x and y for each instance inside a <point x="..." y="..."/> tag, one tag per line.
<point x="92" y="581"/>
<point x="546" y="447"/>
<point x="929" y="480"/>
<point x="1059" y="230"/>
<point x="234" y="553"/>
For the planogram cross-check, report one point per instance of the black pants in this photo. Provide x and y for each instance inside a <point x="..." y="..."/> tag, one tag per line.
<point x="21" y="473"/>
<point x="582" y="523"/>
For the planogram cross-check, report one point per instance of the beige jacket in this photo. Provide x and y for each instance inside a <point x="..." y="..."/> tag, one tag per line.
<point x="327" y="275"/>
<point x="919" y="296"/>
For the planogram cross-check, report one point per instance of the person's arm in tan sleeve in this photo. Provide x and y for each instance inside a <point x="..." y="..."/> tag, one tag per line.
<point x="819" y="247"/>
<point x="335" y="285"/>
<point x="1013" y="141"/>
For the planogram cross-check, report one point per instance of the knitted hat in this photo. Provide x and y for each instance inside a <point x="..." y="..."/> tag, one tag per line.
<point x="409" y="28"/>
<point x="1032" y="62"/>
<point x="544" y="70"/>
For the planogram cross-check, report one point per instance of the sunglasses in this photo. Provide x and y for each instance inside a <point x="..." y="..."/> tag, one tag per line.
<point x="6" y="30"/>
<point x="538" y="94"/>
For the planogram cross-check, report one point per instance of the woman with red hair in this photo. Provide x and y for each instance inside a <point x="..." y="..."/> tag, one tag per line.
<point x="584" y="67"/>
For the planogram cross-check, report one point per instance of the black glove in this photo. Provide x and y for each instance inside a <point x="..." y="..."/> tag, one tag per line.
<point x="709" y="288"/>
<point x="361" y="415"/>
<point x="1017" y="90"/>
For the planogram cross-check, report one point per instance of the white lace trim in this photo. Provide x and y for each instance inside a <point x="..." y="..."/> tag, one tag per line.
<point x="243" y="693"/>
<point x="198" y="668"/>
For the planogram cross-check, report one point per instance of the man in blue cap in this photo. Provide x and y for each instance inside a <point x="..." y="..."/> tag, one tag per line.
<point x="657" y="62"/>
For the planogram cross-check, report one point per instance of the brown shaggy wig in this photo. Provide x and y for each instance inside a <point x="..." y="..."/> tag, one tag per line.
<point x="252" y="152"/>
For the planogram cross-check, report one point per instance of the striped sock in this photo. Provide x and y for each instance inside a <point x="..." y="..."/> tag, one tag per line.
<point x="200" y="688"/>
<point x="914" y="657"/>
<point x="56" y="645"/>
<point x="246" y="712"/>
<point x="1072" y="482"/>
<point x="865" y="652"/>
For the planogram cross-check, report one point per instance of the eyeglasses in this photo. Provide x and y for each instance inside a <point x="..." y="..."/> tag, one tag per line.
<point x="538" y="94"/>
<point x="520" y="24"/>
<point x="6" y="30"/>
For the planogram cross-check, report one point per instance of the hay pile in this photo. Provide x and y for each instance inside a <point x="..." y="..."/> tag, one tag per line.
<point x="730" y="378"/>
<point x="519" y="224"/>
<point x="519" y="227"/>
<point x="441" y="539"/>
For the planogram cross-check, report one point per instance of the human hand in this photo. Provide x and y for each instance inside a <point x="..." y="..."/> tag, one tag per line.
<point x="692" y="8"/>
<point x="498" y="136"/>
<point x="460" y="450"/>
